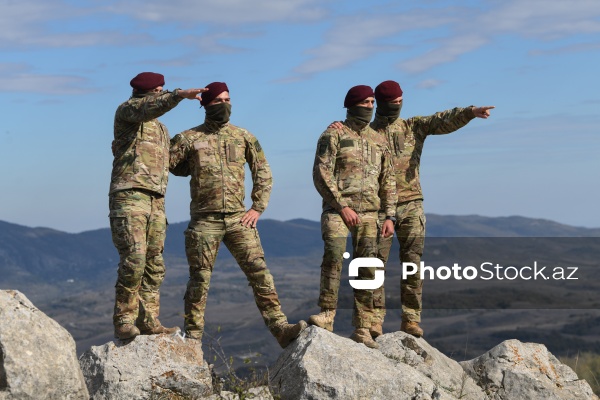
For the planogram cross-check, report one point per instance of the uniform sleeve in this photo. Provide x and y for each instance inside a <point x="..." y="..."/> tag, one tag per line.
<point x="149" y="108"/>
<point x="387" y="184"/>
<point x="442" y="122"/>
<point x="262" y="179"/>
<point x="324" y="168"/>
<point x="178" y="152"/>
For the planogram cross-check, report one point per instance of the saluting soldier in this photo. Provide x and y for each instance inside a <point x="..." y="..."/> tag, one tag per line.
<point x="137" y="202"/>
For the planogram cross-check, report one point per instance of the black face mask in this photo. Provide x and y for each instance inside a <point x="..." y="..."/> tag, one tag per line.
<point x="219" y="113"/>
<point x="389" y="110"/>
<point x="362" y="114"/>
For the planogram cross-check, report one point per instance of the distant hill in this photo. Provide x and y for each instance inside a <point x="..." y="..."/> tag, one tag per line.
<point x="71" y="278"/>
<point x="47" y="255"/>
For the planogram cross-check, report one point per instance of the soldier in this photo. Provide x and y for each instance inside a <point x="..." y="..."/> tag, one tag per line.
<point x="214" y="154"/>
<point x="353" y="174"/>
<point x="406" y="139"/>
<point x="136" y="201"/>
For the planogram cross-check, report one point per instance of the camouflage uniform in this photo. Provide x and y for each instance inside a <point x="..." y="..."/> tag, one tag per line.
<point x="353" y="168"/>
<point x="136" y="202"/>
<point x="406" y="139"/>
<point x="215" y="156"/>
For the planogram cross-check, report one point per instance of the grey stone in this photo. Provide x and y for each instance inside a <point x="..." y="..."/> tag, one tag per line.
<point x="322" y="365"/>
<point x="146" y="367"/>
<point x="516" y="370"/>
<point x="258" y="393"/>
<point x="38" y="359"/>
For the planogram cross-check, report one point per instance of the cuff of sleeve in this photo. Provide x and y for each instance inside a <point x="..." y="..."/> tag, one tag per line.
<point x="258" y="209"/>
<point x="340" y="206"/>
<point x="176" y="95"/>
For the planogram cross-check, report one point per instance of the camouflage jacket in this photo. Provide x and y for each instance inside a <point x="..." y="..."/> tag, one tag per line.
<point x="215" y="158"/>
<point x="141" y="143"/>
<point x="406" y="139"/>
<point x="353" y="167"/>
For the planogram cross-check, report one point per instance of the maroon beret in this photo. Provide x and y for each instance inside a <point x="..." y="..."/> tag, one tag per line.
<point x="147" y="80"/>
<point x="214" y="89"/>
<point x="387" y="91"/>
<point x="357" y="94"/>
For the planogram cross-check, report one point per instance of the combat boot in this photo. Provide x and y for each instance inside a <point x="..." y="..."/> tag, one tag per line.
<point x="412" y="328"/>
<point x="376" y="330"/>
<point x="285" y="333"/>
<point x="126" y="331"/>
<point x="362" y="335"/>
<point x="324" y="319"/>
<point x="157" y="329"/>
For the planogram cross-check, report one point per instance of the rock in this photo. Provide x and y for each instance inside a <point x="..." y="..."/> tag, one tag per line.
<point x="516" y="370"/>
<point x="322" y="365"/>
<point x="146" y="367"/>
<point x="38" y="359"/>
<point x="258" y="393"/>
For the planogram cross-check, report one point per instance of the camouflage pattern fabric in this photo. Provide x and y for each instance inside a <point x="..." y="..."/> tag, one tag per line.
<point x="365" y="238"/>
<point x="406" y="138"/>
<point x="410" y="231"/>
<point x="353" y="167"/>
<point x="202" y="240"/>
<point x="141" y="143"/>
<point x="138" y="226"/>
<point x="214" y="156"/>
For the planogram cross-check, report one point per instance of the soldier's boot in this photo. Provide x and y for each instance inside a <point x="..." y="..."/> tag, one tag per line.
<point x="412" y="328"/>
<point x="376" y="329"/>
<point x="324" y="319"/>
<point x="362" y="335"/>
<point x="285" y="333"/>
<point x="126" y="331"/>
<point x="156" y="329"/>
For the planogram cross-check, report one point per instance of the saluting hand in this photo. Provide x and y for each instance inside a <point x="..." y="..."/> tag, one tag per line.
<point x="250" y="219"/>
<point x="482" y="112"/>
<point x="191" y="93"/>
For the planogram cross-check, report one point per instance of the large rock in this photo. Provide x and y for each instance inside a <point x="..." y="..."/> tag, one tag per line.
<point x="148" y="366"/>
<point x="515" y="370"/>
<point x="322" y="365"/>
<point x="37" y="356"/>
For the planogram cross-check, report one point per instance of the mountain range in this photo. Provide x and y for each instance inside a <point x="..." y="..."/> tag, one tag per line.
<point x="71" y="277"/>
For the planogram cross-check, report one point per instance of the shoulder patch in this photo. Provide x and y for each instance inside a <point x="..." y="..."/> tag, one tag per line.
<point x="257" y="146"/>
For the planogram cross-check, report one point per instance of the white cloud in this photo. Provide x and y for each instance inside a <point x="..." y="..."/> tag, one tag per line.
<point x="220" y="12"/>
<point x="357" y="37"/>
<point x="38" y="23"/>
<point x="429" y="83"/>
<point x="18" y="78"/>
<point x="461" y="30"/>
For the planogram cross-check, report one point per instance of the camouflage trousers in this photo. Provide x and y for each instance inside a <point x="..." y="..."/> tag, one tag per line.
<point x="364" y="244"/>
<point x="410" y="230"/>
<point x="202" y="240"/>
<point x="138" y="225"/>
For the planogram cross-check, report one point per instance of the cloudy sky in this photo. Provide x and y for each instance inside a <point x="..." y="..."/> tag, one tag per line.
<point x="65" y="66"/>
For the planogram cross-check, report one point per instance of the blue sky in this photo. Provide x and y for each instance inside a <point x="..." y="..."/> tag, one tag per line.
<point x="65" y="66"/>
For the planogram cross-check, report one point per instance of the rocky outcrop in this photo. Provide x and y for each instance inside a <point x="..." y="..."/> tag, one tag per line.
<point x="322" y="365"/>
<point x="515" y="370"/>
<point x="153" y="366"/>
<point x="38" y="361"/>
<point x="37" y="356"/>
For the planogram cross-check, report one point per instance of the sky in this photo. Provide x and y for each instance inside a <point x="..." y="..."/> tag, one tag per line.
<point x="66" y="65"/>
